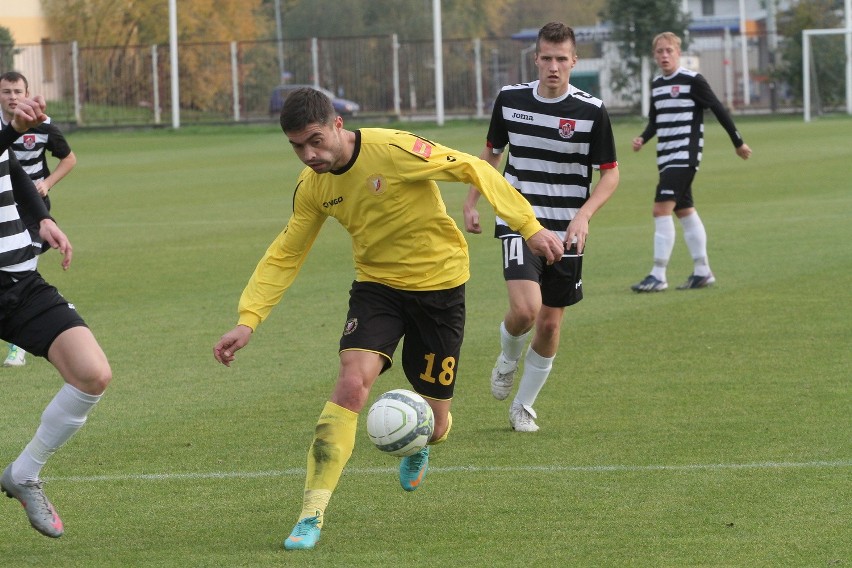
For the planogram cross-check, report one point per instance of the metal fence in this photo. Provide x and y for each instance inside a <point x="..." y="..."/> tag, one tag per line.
<point x="390" y="79"/>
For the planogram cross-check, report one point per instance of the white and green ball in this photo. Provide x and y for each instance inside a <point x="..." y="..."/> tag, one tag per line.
<point x="400" y="422"/>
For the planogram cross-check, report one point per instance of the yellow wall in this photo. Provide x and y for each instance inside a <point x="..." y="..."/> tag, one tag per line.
<point x="24" y="19"/>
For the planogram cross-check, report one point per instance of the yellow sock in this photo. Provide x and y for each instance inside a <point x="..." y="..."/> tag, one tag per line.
<point x="334" y="440"/>
<point x="447" y="432"/>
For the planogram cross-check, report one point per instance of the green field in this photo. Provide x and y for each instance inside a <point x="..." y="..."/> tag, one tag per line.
<point x="699" y="428"/>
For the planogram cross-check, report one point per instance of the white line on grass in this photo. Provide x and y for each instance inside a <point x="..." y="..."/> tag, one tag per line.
<point x="461" y="468"/>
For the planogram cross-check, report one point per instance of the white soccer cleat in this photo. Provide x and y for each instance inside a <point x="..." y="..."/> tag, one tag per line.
<point x="39" y="509"/>
<point x="16" y="357"/>
<point x="522" y="418"/>
<point x="503" y="377"/>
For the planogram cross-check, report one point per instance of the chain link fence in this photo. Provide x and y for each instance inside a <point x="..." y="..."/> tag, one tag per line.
<point x="390" y="79"/>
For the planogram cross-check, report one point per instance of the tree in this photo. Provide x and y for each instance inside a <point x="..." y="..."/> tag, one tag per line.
<point x="827" y="59"/>
<point x="7" y="50"/>
<point x="634" y="25"/>
<point x="521" y="14"/>
<point x="116" y="34"/>
<point x="412" y="19"/>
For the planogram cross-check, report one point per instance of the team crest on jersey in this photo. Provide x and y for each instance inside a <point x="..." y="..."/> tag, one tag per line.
<point x="351" y="326"/>
<point x="567" y="127"/>
<point x="422" y="148"/>
<point x="29" y="141"/>
<point x="675" y="90"/>
<point x="376" y="183"/>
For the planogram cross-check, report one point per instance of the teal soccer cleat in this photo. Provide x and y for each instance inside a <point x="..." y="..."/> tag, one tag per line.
<point x="305" y="534"/>
<point x="412" y="469"/>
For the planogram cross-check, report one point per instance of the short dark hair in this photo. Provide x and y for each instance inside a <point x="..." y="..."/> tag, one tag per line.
<point x="306" y="106"/>
<point x="555" y="32"/>
<point x="14" y="77"/>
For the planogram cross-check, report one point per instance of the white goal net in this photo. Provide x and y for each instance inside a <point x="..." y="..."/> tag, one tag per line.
<point x="826" y="71"/>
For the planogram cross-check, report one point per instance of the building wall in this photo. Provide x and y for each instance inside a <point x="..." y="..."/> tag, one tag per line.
<point x="35" y="59"/>
<point x="754" y="9"/>
<point x="25" y="20"/>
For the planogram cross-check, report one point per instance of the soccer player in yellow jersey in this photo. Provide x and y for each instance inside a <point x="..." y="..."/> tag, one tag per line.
<point x="411" y="263"/>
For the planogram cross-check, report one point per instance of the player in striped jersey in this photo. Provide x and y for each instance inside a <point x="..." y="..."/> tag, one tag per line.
<point x="31" y="150"/>
<point x="557" y="136"/>
<point x="37" y="317"/>
<point x="679" y="98"/>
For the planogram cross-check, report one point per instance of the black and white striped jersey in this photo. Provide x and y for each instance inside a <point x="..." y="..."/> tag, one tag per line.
<point x="554" y="147"/>
<point x="16" y="245"/>
<point x="676" y="117"/>
<point x="32" y="147"/>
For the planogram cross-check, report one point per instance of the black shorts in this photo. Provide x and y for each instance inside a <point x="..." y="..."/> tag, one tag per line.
<point x="676" y="185"/>
<point x="561" y="282"/>
<point x="431" y="322"/>
<point x="33" y="313"/>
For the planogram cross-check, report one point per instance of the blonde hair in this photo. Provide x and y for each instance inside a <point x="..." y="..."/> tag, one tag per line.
<point x="667" y="36"/>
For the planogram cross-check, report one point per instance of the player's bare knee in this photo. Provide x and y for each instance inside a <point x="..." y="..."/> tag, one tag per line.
<point x="521" y="320"/>
<point x="96" y="379"/>
<point x="548" y="329"/>
<point x="351" y="393"/>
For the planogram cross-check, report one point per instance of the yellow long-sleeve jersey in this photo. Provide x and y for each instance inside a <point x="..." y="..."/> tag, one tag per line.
<point x="387" y="199"/>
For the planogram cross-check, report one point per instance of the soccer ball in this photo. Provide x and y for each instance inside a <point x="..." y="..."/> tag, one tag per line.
<point x="400" y="422"/>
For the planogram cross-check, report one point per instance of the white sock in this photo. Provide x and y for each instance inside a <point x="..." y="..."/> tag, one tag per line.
<point x="512" y="345"/>
<point x="696" y="242"/>
<point x="65" y="414"/>
<point x="536" y="371"/>
<point x="664" y="239"/>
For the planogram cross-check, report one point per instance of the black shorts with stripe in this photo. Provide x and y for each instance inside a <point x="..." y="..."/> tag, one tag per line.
<point x="561" y="282"/>
<point x="33" y="313"/>
<point x="676" y="185"/>
<point x="432" y="323"/>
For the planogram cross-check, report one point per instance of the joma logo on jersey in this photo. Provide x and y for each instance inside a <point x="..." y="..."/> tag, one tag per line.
<point x="675" y="90"/>
<point x="29" y="141"/>
<point x="522" y="116"/>
<point x="567" y="127"/>
<point x="334" y="201"/>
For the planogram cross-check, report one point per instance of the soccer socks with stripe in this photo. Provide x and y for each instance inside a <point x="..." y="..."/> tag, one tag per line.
<point x="536" y="371"/>
<point x="696" y="241"/>
<point x="664" y="240"/>
<point x="334" y="440"/>
<point x="61" y="419"/>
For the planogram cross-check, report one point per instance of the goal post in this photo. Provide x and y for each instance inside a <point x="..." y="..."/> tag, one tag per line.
<point x="807" y="71"/>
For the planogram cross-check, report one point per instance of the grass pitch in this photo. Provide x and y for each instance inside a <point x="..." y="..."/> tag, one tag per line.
<point x="698" y="428"/>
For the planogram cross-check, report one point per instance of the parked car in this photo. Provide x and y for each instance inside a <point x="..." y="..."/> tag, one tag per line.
<point x="344" y="107"/>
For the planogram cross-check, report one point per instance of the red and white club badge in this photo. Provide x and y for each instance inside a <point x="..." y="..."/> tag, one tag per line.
<point x="567" y="127"/>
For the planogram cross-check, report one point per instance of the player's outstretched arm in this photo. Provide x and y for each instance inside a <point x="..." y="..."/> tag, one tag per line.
<point x="63" y="167"/>
<point x="29" y="113"/>
<point x="224" y="351"/>
<point x="637" y="143"/>
<point x="50" y="233"/>
<point x="744" y="152"/>
<point x="471" y="215"/>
